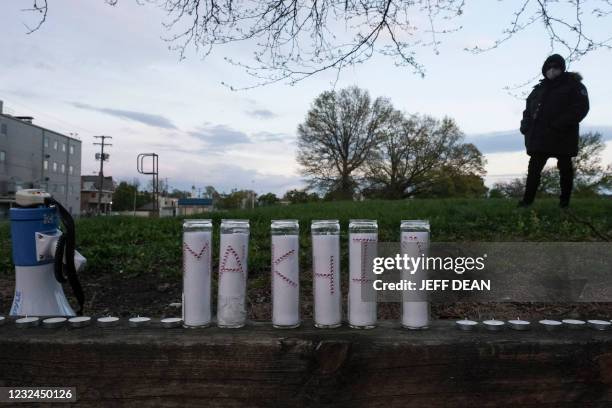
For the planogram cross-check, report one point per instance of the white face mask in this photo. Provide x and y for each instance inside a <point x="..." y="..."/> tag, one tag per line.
<point x="552" y="73"/>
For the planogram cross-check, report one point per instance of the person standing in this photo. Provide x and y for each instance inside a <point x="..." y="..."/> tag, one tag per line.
<point x="550" y="124"/>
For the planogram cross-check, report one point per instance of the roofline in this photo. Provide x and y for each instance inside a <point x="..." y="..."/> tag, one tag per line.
<point x="4" y="115"/>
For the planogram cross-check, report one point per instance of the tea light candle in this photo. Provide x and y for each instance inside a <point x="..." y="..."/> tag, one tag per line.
<point x="54" y="322"/>
<point x="599" y="324"/>
<point x="107" y="321"/>
<point x="551" y="325"/>
<point x="465" y="324"/>
<point x="27" y="322"/>
<point x="139" y="321"/>
<point x="519" y="324"/>
<point x="573" y="323"/>
<point x="79" y="321"/>
<point x="170" y="322"/>
<point x="494" y="325"/>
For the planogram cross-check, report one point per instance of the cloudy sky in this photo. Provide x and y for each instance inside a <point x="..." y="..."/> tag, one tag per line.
<point x="95" y="69"/>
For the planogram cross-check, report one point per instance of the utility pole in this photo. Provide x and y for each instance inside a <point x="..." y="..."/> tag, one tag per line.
<point x="102" y="157"/>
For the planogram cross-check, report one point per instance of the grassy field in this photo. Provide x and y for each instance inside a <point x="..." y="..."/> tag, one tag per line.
<point x="144" y="255"/>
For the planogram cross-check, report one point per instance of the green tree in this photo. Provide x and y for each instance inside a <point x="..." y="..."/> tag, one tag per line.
<point x="591" y="177"/>
<point x="124" y="195"/>
<point x="420" y="154"/>
<point x="267" y="199"/>
<point x="300" y="196"/>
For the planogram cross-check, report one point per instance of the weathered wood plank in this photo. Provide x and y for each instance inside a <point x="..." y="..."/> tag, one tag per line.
<point x="261" y="366"/>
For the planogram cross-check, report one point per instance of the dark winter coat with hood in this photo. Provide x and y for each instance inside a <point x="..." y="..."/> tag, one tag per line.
<point x="554" y="110"/>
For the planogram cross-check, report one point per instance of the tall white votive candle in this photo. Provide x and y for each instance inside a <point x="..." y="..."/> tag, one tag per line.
<point x="415" y="243"/>
<point x="363" y="240"/>
<point x="233" y="258"/>
<point x="326" y="273"/>
<point x="285" y="274"/>
<point x="197" y="248"/>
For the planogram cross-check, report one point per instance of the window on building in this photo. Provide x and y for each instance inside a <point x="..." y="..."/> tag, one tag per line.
<point x="2" y="156"/>
<point x="55" y="166"/>
<point x="46" y="141"/>
<point x="62" y="189"/>
<point x="55" y="188"/>
<point x="63" y="167"/>
<point x="71" y="189"/>
<point x="55" y="145"/>
<point x="71" y="149"/>
<point x="70" y="170"/>
<point x="93" y="195"/>
<point x="63" y="147"/>
<point x="46" y="164"/>
<point x="3" y="128"/>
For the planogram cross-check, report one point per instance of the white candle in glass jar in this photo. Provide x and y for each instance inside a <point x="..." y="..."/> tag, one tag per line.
<point x="415" y="243"/>
<point x="285" y="274"/>
<point x="197" y="266"/>
<point x="233" y="258"/>
<point x="363" y="240"/>
<point x="326" y="273"/>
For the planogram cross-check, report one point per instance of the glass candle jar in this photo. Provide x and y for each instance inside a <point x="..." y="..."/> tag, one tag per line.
<point x="363" y="241"/>
<point x="197" y="267"/>
<point x="415" y="243"/>
<point x="326" y="273"/>
<point x="285" y="274"/>
<point x="233" y="258"/>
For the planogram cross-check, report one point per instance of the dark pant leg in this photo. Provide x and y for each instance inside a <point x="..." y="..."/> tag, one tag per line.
<point x="566" y="176"/>
<point x="536" y="164"/>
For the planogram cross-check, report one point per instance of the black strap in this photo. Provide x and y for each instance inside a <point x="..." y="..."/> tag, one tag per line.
<point x="66" y="246"/>
<point x="58" y="261"/>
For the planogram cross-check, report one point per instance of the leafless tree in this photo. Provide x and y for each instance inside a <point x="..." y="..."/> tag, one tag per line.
<point x="340" y="132"/>
<point x="295" y="39"/>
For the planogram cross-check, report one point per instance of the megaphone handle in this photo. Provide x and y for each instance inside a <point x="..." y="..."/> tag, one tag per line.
<point x="68" y="244"/>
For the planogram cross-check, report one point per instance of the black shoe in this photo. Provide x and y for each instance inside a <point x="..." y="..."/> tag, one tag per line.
<point x="523" y="204"/>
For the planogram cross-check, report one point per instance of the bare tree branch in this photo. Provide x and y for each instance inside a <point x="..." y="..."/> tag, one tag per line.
<point x="293" y="40"/>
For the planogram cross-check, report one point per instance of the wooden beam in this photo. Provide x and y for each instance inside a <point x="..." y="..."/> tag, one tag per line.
<point x="261" y="366"/>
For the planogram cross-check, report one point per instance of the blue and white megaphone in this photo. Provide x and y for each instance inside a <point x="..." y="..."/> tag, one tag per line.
<point x="44" y="256"/>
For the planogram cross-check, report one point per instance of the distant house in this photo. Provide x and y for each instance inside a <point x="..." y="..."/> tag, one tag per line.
<point x="189" y="206"/>
<point x="90" y="191"/>
<point x="168" y="207"/>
